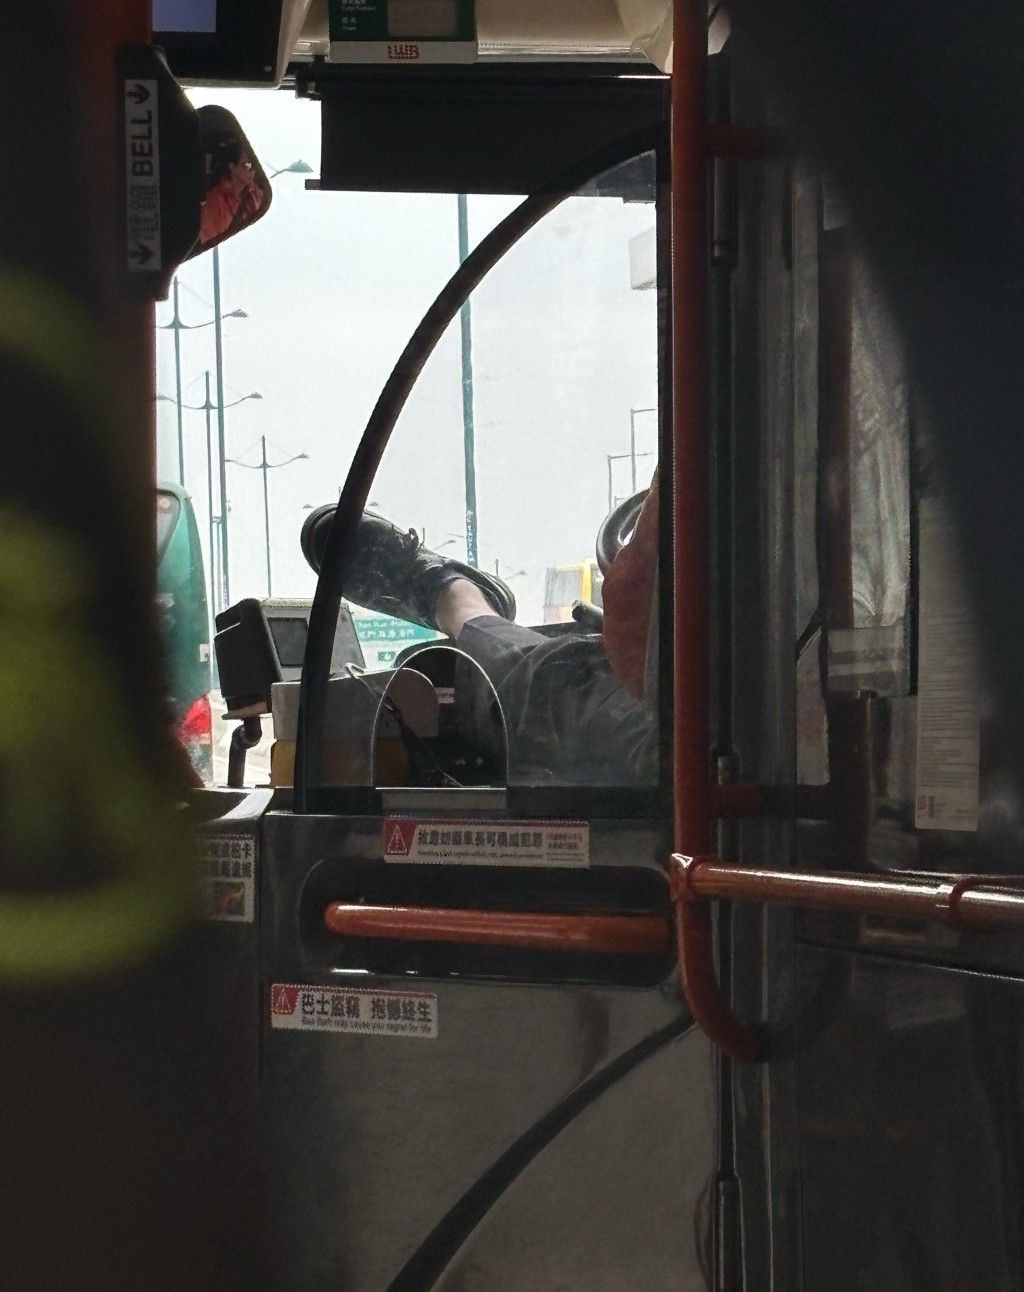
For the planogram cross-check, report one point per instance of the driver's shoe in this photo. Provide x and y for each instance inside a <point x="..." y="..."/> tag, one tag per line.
<point x="393" y="573"/>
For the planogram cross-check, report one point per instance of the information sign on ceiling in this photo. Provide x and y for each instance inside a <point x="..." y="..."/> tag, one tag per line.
<point x="402" y="31"/>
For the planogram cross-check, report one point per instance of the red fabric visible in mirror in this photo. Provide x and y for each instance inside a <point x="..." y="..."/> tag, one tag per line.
<point x="628" y="595"/>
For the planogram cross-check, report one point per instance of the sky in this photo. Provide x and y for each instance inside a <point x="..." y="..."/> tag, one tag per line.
<point x="332" y="285"/>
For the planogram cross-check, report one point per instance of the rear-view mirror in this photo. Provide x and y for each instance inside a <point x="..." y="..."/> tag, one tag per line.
<point x="236" y="189"/>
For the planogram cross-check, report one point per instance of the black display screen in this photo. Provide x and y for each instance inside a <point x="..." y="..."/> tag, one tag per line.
<point x="185" y="15"/>
<point x="289" y="640"/>
<point x="219" y="41"/>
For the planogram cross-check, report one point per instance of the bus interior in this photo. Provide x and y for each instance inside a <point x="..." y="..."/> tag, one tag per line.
<point x="655" y="924"/>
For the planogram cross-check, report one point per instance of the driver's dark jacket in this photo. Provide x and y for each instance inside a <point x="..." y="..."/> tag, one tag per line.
<point x="568" y="717"/>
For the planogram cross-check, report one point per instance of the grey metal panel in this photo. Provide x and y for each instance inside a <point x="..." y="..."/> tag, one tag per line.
<point x="371" y="1140"/>
<point x="620" y="1200"/>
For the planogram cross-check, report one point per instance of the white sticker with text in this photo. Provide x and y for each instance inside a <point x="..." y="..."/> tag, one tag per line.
<point x="487" y="843"/>
<point x="227" y="866"/>
<point x="142" y="174"/>
<point x="358" y="1010"/>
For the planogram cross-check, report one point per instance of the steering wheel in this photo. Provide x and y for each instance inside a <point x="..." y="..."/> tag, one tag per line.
<point x="616" y="529"/>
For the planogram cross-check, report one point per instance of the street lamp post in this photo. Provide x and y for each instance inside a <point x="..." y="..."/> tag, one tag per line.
<point x="295" y="167"/>
<point x="266" y="466"/>
<point x="468" y="425"/>
<point x="214" y="551"/>
<point x="632" y="442"/>
<point x="177" y="327"/>
<point x="621" y="457"/>
<point x="221" y="444"/>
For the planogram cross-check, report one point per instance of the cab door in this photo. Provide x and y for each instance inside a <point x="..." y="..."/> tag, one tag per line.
<point x="878" y="1143"/>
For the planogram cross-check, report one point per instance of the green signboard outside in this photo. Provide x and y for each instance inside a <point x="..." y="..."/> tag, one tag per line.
<point x="402" y="31"/>
<point x="385" y="629"/>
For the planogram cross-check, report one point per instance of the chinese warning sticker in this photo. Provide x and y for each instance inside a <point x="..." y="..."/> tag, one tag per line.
<point x="228" y="868"/>
<point x="357" y="1010"/>
<point x="487" y="843"/>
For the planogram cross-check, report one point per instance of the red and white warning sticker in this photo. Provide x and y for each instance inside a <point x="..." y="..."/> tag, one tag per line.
<point x="487" y="843"/>
<point x="356" y="1010"/>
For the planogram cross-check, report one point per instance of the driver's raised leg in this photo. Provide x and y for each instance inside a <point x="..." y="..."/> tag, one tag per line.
<point x="390" y="570"/>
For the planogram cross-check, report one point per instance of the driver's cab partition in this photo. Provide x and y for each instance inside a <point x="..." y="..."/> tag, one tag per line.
<point x="544" y="443"/>
<point x="466" y="956"/>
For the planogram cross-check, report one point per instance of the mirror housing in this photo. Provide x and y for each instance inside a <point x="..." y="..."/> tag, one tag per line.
<point x="236" y="190"/>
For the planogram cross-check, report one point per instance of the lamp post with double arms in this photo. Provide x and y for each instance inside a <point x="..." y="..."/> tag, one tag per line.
<point x="633" y="456"/>
<point x="177" y="327"/>
<point x="266" y="466"/>
<point x="296" y="167"/>
<point x="468" y="415"/>
<point x="633" y="412"/>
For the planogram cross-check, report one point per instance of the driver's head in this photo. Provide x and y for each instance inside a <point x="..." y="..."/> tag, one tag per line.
<point x="628" y="595"/>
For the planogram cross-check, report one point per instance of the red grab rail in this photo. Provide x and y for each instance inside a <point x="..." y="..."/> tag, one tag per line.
<point x="976" y="902"/>
<point x="979" y="902"/>
<point x="605" y="934"/>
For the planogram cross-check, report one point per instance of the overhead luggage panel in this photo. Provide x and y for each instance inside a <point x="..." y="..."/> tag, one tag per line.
<point x="474" y="130"/>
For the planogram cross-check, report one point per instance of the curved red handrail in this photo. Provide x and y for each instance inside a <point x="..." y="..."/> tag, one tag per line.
<point x="691" y="601"/>
<point x="695" y="942"/>
<point x="970" y="902"/>
<point x="604" y="934"/>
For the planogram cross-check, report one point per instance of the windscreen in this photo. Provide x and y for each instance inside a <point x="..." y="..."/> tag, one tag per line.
<point x="536" y="414"/>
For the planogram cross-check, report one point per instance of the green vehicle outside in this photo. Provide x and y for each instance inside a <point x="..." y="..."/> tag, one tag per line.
<point x="184" y="623"/>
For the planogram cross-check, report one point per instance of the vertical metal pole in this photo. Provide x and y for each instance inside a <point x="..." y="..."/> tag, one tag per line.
<point x="633" y="455"/>
<point x="221" y="449"/>
<point x="264" y="465"/>
<point x="727" y="1212"/>
<point x="611" y="498"/>
<point x="468" y="428"/>
<point x="690" y="480"/>
<point x="215" y="567"/>
<point x="176" y="324"/>
<point x="208" y="406"/>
